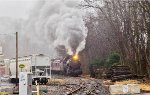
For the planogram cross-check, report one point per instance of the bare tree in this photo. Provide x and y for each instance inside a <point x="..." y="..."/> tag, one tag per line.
<point x="129" y="25"/>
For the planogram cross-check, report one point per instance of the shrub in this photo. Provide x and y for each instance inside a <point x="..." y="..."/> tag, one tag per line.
<point x="113" y="59"/>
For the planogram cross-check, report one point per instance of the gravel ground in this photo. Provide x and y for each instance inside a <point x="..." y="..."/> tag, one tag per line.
<point x="71" y="86"/>
<point x="76" y="86"/>
<point x="7" y="87"/>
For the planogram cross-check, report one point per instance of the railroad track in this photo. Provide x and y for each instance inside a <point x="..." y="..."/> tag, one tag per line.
<point x="76" y="86"/>
<point x="71" y="86"/>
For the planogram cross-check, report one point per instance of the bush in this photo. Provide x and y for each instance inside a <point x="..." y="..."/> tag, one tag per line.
<point x="113" y="59"/>
<point x="98" y="62"/>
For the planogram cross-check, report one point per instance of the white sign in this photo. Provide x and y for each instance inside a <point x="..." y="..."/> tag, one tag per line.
<point x="25" y="83"/>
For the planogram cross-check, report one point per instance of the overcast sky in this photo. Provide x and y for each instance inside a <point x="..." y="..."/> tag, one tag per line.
<point x="16" y="8"/>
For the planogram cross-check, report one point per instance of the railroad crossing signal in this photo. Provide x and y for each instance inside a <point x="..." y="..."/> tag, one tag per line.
<point x="21" y="66"/>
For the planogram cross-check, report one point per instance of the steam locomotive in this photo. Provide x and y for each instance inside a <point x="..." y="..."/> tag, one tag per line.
<point x="70" y="66"/>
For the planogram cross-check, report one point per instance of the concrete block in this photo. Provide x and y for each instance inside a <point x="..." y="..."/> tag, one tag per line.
<point x="116" y="89"/>
<point x="134" y="88"/>
<point x="124" y="89"/>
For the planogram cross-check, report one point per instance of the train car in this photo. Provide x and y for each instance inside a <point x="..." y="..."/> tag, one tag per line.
<point x="38" y="64"/>
<point x="70" y="65"/>
<point x="56" y="66"/>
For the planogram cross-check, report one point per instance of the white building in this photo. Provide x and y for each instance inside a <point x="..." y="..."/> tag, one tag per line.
<point x="2" y="65"/>
<point x="1" y="56"/>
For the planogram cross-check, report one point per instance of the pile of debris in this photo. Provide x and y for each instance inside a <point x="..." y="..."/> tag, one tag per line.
<point x="75" y="86"/>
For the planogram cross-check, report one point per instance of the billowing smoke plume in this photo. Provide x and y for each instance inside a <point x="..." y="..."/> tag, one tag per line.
<point x="54" y="26"/>
<point x="58" y="23"/>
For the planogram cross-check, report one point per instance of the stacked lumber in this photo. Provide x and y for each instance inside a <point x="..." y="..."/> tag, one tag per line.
<point x="119" y="72"/>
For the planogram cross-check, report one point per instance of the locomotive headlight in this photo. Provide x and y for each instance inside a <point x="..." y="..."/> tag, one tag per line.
<point x="75" y="58"/>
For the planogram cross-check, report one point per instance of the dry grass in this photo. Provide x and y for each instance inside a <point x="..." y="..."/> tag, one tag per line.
<point x="107" y="82"/>
<point x="4" y="93"/>
<point x="125" y="82"/>
<point x="145" y="87"/>
<point x="56" y="81"/>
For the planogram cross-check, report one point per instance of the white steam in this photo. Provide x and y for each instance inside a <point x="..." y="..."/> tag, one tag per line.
<point x="54" y="26"/>
<point x="59" y="23"/>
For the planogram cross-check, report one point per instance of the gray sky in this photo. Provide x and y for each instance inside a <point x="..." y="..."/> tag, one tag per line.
<point x="16" y="8"/>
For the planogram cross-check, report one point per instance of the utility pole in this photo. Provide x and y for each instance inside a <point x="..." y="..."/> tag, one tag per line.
<point x="0" y="81"/>
<point x="16" y="57"/>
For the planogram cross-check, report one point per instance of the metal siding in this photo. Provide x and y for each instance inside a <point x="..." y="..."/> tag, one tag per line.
<point x="25" y="61"/>
<point x="36" y="60"/>
<point x="42" y="61"/>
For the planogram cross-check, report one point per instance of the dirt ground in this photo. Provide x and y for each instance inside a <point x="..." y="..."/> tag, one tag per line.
<point x="77" y="86"/>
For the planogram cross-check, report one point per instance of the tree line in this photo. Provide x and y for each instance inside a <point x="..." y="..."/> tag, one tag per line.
<point x="122" y="26"/>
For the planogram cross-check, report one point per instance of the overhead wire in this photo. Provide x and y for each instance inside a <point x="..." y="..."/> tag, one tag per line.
<point x="8" y="34"/>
